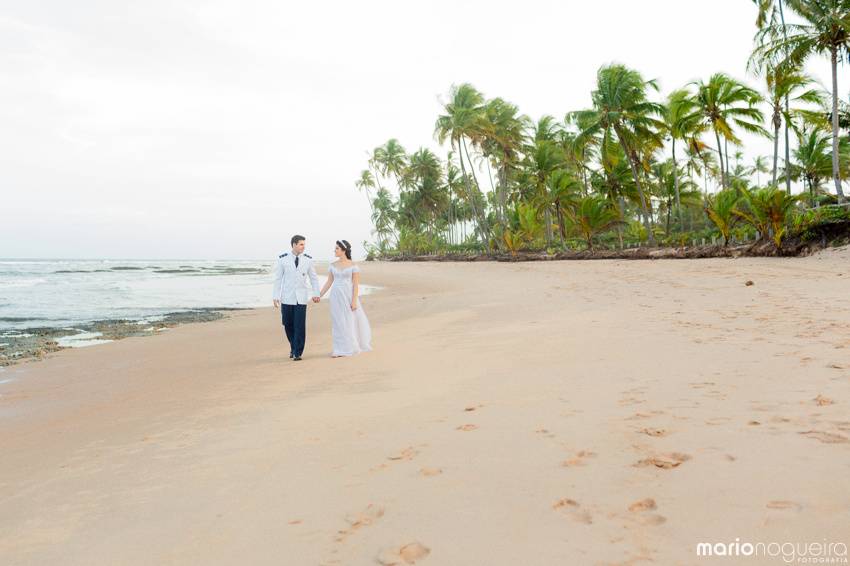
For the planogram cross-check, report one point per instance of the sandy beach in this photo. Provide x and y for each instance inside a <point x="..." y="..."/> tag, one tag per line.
<point x="581" y="412"/>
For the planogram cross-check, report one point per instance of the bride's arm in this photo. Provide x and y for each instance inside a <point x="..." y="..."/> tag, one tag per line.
<point x="355" y="289"/>
<point x="328" y="284"/>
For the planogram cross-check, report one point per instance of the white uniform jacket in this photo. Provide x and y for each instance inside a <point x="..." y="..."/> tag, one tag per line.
<point x="290" y="283"/>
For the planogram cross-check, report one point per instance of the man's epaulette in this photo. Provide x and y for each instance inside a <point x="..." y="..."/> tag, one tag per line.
<point x="311" y="257"/>
<point x="283" y="255"/>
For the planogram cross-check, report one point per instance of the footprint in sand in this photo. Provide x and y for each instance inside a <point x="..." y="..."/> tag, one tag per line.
<point x="664" y="461"/>
<point x="467" y="427"/>
<point x="578" y="459"/>
<point x="409" y="553"/>
<point x="407" y="454"/>
<point x="826" y="437"/>
<point x="471" y="408"/>
<point x="359" y="520"/>
<point x="782" y="504"/>
<point x="654" y="431"/>
<point x="573" y="509"/>
<point x="822" y="401"/>
<point x="430" y="472"/>
<point x="647" y="504"/>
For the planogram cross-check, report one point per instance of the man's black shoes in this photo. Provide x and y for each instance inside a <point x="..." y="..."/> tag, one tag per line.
<point x="296" y="359"/>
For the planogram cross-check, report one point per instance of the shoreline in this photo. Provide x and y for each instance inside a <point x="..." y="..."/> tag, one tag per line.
<point x="33" y="344"/>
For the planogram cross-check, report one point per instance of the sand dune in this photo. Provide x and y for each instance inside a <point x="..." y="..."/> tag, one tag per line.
<point x="604" y="412"/>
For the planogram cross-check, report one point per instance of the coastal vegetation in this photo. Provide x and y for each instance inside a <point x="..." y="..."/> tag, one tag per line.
<point x="636" y="167"/>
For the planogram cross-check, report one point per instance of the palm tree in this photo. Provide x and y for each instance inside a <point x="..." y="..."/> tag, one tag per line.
<point x="768" y="210"/>
<point x="615" y="179"/>
<point x="502" y="133"/>
<point x="724" y="103"/>
<point x="813" y="160"/>
<point x="579" y="152"/>
<point x="768" y="10"/>
<point x="390" y="159"/>
<point x="543" y="158"/>
<point x="620" y="105"/>
<point x="564" y="190"/>
<point x="760" y="166"/>
<point x="683" y="124"/>
<point x="826" y="30"/>
<point x="364" y="183"/>
<point x="720" y="209"/>
<point x="671" y="188"/>
<point x="383" y="216"/>
<point x="460" y="122"/>
<point x="592" y="215"/>
<point x="785" y="84"/>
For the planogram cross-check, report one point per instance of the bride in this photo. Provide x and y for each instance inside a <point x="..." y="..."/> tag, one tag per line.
<point x="349" y="325"/>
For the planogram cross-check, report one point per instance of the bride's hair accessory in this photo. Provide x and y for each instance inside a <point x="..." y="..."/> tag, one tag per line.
<point x="344" y="246"/>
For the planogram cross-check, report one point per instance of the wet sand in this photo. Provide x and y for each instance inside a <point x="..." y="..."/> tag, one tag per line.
<point x="580" y="412"/>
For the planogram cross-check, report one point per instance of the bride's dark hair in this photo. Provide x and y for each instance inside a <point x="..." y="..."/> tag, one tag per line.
<point x="344" y="246"/>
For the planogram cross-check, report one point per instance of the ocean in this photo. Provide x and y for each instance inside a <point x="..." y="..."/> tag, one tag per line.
<point x="67" y="296"/>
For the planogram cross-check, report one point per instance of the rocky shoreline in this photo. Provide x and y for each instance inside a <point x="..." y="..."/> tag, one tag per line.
<point x="35" y="343"/>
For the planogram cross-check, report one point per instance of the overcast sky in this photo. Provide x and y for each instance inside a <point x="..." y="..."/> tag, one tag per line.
<point x="218" y="129"/>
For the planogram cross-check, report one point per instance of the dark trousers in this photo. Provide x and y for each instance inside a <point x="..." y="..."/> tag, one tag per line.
<point x="295" y="325"/>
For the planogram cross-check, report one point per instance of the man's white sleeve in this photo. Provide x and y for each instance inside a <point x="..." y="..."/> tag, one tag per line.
<point x="314" y="279"/>
<point x="278" y="279"/>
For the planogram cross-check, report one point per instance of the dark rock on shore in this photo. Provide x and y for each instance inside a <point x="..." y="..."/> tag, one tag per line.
<point x="35" y="343"/>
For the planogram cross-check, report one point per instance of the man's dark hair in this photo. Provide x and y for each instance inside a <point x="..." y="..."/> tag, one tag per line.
<point x="296" y="238"/>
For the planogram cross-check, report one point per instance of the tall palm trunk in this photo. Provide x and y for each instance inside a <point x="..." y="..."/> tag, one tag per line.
<point x="503" y="188"/>
<point x="720" y="156"/>
<point x="836" y="174"/>
<point x="636" y="177"/>
<point x="493" y="186"/>
<point x="621" y="207"/>
<point x="777" y="120"/>
<point x="787" y="113"/>
<point x="584" y="178"/>
<point x="547" y="217"/>
<point x="482" y="231"/>
<point x="562" y="228"/>
<point x="676" y="185"/>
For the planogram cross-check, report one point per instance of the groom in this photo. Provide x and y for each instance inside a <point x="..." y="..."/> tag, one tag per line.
<point x="291" y="293"/>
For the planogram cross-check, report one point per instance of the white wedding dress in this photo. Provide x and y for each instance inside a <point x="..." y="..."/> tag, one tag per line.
<point x="350" y="328"/>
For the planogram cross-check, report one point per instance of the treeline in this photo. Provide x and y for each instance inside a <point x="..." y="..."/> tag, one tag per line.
<point x="635" y="167"/>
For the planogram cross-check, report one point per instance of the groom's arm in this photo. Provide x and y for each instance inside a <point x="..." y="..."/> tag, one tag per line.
<point x="314" y="281"/>
<point x="278" y="282"/>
